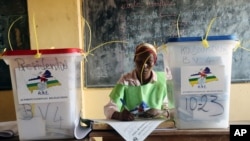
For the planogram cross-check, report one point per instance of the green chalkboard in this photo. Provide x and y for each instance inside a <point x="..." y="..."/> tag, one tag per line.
<point x="155" y="21"/>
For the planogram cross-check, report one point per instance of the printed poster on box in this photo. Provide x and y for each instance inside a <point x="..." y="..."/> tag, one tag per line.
<point x="41" y="86"/>
<point x="203" y="80"/>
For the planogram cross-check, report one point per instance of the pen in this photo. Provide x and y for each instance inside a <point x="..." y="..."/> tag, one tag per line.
<point x="124" y="104"/>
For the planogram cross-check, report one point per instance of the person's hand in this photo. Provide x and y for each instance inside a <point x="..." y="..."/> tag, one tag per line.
<point x="125" y="115"/>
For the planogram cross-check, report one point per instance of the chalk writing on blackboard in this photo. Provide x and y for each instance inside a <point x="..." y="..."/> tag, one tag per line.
<point x="155" y="21"/>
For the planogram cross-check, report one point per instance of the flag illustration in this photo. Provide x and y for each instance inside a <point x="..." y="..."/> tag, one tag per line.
<point x="42" y="82"/>
<point x="204" y="76"/>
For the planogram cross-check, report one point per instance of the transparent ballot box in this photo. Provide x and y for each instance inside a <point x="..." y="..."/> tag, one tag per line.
<point x="201" y="80"/>
<point x="46" y="89"/>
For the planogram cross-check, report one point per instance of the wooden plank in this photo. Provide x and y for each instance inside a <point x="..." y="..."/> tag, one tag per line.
<point x="105" y="126"/>
<point x="170" y="135"/>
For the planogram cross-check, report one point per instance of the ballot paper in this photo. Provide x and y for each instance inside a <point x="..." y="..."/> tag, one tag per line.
<point x="137" y="130"/>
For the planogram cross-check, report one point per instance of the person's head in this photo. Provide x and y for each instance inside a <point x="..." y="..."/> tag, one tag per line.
<point x="145" y="59"/>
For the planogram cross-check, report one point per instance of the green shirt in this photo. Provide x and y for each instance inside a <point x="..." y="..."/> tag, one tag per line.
<point x="152" y="94"/>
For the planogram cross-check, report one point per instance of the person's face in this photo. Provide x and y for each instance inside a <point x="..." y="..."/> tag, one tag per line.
<point x="144" y="64"/>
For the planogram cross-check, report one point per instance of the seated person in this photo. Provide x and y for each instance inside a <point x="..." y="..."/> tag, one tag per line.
<point x="140" y="93"/>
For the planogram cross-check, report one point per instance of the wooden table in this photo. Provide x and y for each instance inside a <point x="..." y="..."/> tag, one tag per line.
<point x="164" y="132"/>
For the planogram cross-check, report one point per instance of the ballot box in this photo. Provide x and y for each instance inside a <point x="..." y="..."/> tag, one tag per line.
<point x="201" y="78"/>
<point x="46" y="89"/>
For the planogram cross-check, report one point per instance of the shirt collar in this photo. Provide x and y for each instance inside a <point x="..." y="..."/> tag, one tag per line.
<point x="153" y="78"/>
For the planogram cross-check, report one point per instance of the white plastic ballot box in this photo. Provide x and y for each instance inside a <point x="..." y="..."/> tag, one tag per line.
<point x="201" y="80"/>
<point x="46" y="90"/>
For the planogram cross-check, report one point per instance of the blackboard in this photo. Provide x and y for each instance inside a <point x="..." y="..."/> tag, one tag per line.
<point x="154" y="21"/>
<point x="14" y="28"/>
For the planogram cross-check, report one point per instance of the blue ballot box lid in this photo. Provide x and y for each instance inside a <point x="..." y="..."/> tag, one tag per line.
<point x="43" y="51"/>
<point x="209" y="38"/>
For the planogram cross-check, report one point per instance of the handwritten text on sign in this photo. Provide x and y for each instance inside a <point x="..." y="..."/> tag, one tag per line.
<point x="203" y="92"/>
<point x="203" y="107"/>
<point x="43" y="119"/>
<point x="197" y="55"/>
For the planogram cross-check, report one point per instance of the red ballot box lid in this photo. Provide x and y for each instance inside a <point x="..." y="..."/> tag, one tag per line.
<point x="43" y="51"/>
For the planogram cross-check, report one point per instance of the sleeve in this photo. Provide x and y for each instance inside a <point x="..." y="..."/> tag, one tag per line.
<point x="109" y="109"/>
<point x="114" y="104"/>
<point x="118" y="93"/>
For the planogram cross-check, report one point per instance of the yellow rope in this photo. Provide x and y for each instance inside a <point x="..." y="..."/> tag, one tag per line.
<point x="38" y="54"/>
<point x="204" y="41"/>
<point x="90" y="32"/>
<point x="105" y="44"/>
<point x="10" y="29"/>
<point x="85" y="54"/>
<point x="238" y="44"/>
<point x="177" y="26"/>
<point x="245" y="48"/>
<point x="1" y="54"/>
<point x="164" y="47"/>
<point x="143" y="67"/>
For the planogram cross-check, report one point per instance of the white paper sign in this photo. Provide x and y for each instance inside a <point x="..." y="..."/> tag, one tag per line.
<point x="41" y="86"/>
<point x="203" y="79"/>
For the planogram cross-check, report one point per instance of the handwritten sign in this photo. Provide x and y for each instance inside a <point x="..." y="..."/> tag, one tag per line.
<point x="44" y="80"/>
<point x="204" y="95"/>
<point x="207" y="107"/>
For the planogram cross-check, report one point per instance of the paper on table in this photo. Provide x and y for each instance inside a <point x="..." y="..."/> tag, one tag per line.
<point x="8" y="129"/>
<point x="9" y="125"/>
<point x="81" y="132"/>
<point x="137" y="130"/>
